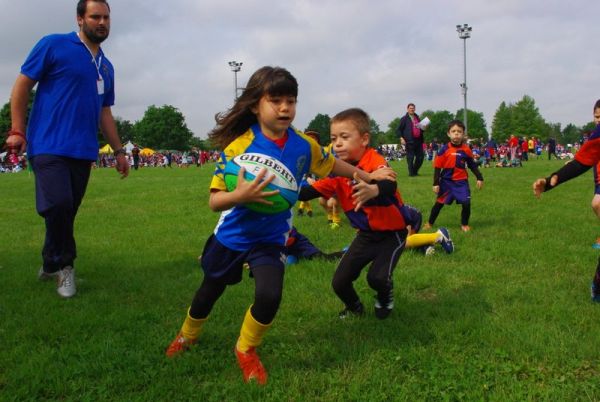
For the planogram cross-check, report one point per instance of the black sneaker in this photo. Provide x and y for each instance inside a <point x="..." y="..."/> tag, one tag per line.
<point x="300" y="212"/>
<point x="309" y="213"/>
<point x="357" y="310"/>
<point x="384" y="306"/>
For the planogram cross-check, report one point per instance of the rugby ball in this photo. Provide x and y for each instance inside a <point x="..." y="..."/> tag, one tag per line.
<point x="284" y="180"/>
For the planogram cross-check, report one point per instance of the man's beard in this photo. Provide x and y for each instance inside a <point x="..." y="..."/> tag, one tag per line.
<point x="93" y="36"/>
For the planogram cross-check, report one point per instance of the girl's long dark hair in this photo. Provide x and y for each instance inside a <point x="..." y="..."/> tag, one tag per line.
<point x="270" y="81"/>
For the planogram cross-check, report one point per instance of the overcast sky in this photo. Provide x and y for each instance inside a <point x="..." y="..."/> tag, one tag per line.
<point x="378" y="55"/>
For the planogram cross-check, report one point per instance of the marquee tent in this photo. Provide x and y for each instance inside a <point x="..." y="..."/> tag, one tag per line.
<point x="147" y="152"/>
<point x="106" y="149"/>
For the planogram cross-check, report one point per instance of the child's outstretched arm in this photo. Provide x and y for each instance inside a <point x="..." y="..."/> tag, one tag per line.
<point x="246" y="191"/>
<point x="383" y="173"/>
<point x="567" y="172"/>
<point x="341" y="168"/>
<point x="363" y="191"/>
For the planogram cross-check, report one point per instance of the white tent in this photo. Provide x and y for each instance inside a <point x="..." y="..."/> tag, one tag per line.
<point x="128" y="147"/>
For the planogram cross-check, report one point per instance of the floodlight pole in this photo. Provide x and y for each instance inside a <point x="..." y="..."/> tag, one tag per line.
<point x="235" y="67"/>
<point x="464" y="33"/>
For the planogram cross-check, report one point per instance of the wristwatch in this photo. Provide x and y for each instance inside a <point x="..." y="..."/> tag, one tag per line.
<point x="119" y="151"/>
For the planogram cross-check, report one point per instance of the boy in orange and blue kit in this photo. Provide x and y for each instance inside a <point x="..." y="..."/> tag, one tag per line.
<point x="596" y="199"/>
<point x="382" y="231"/>
<point x="450" y="179"/>
<point x="587" y="157"/>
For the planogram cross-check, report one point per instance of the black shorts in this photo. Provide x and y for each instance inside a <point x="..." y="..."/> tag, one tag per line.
<point x="226" y="265"/>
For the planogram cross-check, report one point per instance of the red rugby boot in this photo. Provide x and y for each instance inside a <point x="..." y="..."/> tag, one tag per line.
<point x="252" y="368"/>
<point x="179" y="345"/>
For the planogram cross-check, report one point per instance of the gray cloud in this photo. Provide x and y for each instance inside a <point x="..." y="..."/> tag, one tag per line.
<point x="376" y="55"/>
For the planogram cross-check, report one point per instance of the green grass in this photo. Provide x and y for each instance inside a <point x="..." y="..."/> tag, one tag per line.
<point x="506" y="317"/>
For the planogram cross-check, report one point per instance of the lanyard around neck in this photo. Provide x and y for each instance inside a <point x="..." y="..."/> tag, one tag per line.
<point x="96" y="63"/>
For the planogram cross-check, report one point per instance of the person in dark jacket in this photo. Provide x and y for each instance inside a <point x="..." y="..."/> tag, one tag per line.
<point x="551" y="148"/>
<point x="411" y="136"/>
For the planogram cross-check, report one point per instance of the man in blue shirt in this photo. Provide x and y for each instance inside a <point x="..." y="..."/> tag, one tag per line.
<point x="75" y="92"/>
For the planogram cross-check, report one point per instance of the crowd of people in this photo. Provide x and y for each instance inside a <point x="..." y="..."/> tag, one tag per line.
<point x="12" y="162"/>
<point x="488" y="154"/>
<point x="165" y="159"/>
<point x="510" y="153"/>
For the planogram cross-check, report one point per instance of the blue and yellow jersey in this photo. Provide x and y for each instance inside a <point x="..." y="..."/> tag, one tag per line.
<point x="240" y="228"/>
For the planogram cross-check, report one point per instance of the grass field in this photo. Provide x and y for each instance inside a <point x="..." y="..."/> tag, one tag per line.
<point x="506" y="317"/>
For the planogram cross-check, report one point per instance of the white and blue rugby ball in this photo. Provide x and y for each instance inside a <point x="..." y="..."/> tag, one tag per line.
<point x="284" y="180"/>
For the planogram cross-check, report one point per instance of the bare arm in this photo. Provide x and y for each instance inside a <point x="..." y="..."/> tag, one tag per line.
<point x="109" y="131"/>
<point x="18" y="110"/>
<point x="341" y="168"/>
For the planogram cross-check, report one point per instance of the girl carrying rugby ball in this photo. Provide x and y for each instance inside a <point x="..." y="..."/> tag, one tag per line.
<point x="259" y="122"/>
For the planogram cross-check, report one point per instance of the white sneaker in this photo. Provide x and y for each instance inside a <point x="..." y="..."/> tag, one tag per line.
<point x="66" y="282"/>
<point x="45" y="276"/>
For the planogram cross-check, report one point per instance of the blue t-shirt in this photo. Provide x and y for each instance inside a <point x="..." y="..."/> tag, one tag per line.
<point x="240" y="228"/>
<point x="65" y="116"/>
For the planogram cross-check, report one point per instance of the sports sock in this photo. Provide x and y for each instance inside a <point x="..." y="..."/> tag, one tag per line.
<point x="305" y="205"/>
<point x="335" y="217"/>
<point x="421" y="239"/>
<point x="465" y="214"/>
<point x="435" y="211"/>
<point x="251" y="333"/>
<point x="192" y="327"/>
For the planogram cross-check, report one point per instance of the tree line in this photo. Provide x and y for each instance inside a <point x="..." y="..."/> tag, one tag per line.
<point x="522" y="118"/>
<point x="161" y="128"/>
<point x="164" y="127"/>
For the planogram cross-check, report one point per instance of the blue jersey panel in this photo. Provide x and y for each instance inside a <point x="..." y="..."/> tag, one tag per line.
<point x="240" y="228"/>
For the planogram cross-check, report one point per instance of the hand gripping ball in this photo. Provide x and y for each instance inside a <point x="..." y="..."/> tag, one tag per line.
<point x="284" y="180"/>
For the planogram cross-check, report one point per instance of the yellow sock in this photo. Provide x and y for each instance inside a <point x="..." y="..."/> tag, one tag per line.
<point x="192" y="327"/>
<point x="421" y="239"/>
<point x="251" y="333"/>
<point x="329" y="216"/>
<point x="335" y="217"/>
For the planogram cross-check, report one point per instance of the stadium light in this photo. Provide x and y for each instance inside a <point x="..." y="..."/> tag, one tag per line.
<point x="235" y="67"/>
<point x="464" y="33"/>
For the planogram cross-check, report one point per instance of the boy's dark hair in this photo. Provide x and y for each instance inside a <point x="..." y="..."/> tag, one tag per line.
<point x="267" y="80"/>
<point x="359" y="117"/>
<point x="82" y="6"/>
<point x="597" y="105"/>
<point x="410" y="104"/>
<point x="456" y="122"/>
